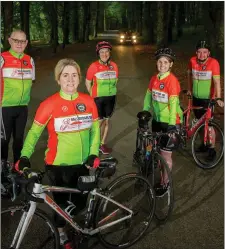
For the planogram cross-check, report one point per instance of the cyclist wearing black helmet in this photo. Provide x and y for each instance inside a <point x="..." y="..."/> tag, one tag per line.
<point x="162" y="98"/>
<point x="101" y="83"/>
<point x="204" y="84"/>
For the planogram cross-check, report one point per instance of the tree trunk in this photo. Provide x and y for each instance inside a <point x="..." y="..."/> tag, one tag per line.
<point x="54" y="24"/>
<point x="97" y="19"/>
<point x="25" y="20"/>
<point x="146" y="22"/>
<point x="171" y="23"/>
<point x="8" y="22"/>
<point x="86" y="20"/>
<point x="74" y="21"/>
<point x="181" y="19"/>
<point x="65" y="24"/>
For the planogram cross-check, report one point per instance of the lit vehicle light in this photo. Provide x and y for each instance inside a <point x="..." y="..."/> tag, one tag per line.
<point x="134" y="41"/>
<point x="122" y="37"/>
<point x="134" y="37"/>
<point x="121" y="40"/>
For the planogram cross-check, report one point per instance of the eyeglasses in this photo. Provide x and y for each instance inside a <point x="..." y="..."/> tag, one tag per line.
<point x="18" y="41"/>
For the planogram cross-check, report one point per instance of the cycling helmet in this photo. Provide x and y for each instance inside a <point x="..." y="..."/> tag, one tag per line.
<point x="103" y="44"/>
<point x="202" y="44"/>
<point x="143" y="119"/>
<point x="168" y="52"/>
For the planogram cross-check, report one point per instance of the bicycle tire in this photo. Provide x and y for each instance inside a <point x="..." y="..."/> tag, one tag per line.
<point x="203" y="163"/>
<point x="137" y="184"/>
<point x="35" y="235"/>
<point x="164" y="204"/>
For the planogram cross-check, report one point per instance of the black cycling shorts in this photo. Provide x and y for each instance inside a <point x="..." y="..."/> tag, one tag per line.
<point x="200" y="102"/>
<point x="105" y="106"/>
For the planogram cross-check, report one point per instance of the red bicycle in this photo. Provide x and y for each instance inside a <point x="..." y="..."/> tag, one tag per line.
<point x="205" y="133"/>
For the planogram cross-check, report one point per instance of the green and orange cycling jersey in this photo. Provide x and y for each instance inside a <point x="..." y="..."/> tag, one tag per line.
<point x="163" y="98"/>
<point x="73" y="129"/>
<point x="17" y="74"/>
<point x="202" y="77"/>
<point x="104" y="79"/>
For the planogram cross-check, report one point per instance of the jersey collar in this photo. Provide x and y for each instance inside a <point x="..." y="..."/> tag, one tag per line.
<point x="163" y="76"/>
<point x="13" y="53"/>
<point x="68" y="96"/>
<point x="100" y="62"/>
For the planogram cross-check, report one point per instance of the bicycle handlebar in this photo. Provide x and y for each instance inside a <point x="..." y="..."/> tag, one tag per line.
<point x="25" y="184"/>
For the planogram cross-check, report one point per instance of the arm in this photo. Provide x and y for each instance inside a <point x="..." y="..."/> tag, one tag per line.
<point x="173" y="103"/>
<point x="189" y="78"/>
<point x="33" y="65"/>
<point x="88" y="85"/>
<point x="216" y="81"/>
<point x="147" y="101"/>
<point x="95" y="132"/>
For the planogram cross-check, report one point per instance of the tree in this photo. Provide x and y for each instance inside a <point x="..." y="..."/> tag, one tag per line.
<point x="8" y="22"/>
<point x="65" y="24"/>
<point x="25" y="20"/>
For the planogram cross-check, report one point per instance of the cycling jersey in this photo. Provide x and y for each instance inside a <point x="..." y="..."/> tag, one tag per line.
<point x="17" y="73"/>
<point x="202" y="77"/>
<point x="73" y="129"/>
<point x="104" y="79"/>
<point x="163" y="97"/>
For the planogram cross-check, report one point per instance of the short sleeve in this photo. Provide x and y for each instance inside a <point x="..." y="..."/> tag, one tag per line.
<point x="215" y="68"/>
<point x="174" y="89"/>
<point x="91" y="72"/>
<point x="44" y="113"/>
<point x="2" y="61"/>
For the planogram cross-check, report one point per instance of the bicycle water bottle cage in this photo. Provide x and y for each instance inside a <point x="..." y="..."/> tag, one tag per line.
<point x="143" y="119"/>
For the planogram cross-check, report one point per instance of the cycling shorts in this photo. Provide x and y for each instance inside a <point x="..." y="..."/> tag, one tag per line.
<point x="105" y="106"/>
<point x="200" y="102"/>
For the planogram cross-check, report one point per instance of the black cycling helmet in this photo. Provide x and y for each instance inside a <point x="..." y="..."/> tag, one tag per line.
<point x="168" y="52"/>
<point x="143" y="119"/>
<point x="202" y="44"/>
<point x="103" y="44"/>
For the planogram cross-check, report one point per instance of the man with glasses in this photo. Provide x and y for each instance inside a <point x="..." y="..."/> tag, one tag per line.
<point x="17" y="74"/>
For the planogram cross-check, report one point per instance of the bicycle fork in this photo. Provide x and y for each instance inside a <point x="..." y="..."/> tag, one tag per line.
<point x="23" y="225"/>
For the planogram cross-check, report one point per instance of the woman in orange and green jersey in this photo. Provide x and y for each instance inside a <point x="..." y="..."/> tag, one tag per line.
<point x="73" y="128"/>
<point x="162" y="99"/>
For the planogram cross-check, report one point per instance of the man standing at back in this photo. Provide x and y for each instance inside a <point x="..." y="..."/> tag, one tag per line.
<point x="17" y="74"/>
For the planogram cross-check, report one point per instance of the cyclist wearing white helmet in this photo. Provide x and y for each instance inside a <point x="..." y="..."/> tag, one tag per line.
<point x="101" y="83"/>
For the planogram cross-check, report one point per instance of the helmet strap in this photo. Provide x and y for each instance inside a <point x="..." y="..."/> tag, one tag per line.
<point x="104" y="63"/>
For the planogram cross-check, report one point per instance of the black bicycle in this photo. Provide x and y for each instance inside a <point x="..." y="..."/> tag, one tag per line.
<point x="153" y="166"/>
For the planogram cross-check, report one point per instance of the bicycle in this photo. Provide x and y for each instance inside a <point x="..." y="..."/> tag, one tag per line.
<point x="123" y="205"/>
<point x="153" y="166"/>
<point x="203" y="127"/>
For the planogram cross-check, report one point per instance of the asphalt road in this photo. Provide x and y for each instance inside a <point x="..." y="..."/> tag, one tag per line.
<point x="197" y="221"/>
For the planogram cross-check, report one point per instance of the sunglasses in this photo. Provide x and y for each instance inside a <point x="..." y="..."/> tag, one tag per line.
<point x="18" y="41"/>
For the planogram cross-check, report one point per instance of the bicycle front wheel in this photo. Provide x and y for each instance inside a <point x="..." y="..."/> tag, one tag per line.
<point x="205" y="157"/>
<point x="41" y="233"/>
<point x="135" y="193"/>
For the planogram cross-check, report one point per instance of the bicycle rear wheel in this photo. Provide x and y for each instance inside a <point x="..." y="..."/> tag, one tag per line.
<point x="41" y="233"/>
<point x="201" y="155"/>
<point x="165" y="200"/>
<point x="135" y="193"/>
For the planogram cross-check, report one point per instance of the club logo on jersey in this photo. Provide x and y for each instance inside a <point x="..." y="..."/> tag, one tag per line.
<point x="111" y="67"/>
<point x="25" y="63"/>
<point x="81" y="107"/>
<point x="64" y="108"/>
<point x="204" y="67"/>
<point x="161" y="86"/>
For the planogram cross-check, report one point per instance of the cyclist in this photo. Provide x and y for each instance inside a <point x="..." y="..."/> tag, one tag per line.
<point x="162" y="98"/>
<point x="71" y="118"/>
<point x="17" y="74"/>
<point x="101" y="83"/>
<point x="204" y="84"/>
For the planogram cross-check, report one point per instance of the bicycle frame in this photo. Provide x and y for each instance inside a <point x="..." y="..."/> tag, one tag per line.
<point x="204" y="119"/>
<point x="39" y="192"/>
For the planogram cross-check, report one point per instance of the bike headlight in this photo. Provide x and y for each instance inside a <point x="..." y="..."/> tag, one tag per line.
<point x="134" y="36"/>
<point x="122" y="36"/>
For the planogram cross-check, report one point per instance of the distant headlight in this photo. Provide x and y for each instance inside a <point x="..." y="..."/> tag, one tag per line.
<point x="121" y="40"/>
<point x="122" y="36"/>
<point x="135" y="41"/>
<point x="134" y="36"/>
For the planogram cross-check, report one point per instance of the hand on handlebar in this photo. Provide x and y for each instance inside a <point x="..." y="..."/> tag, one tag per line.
<point x="92" y="162"/>
<point x="22" y="163"/>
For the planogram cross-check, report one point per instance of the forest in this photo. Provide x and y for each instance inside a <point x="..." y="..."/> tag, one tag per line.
<point x="157" y="22"/>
